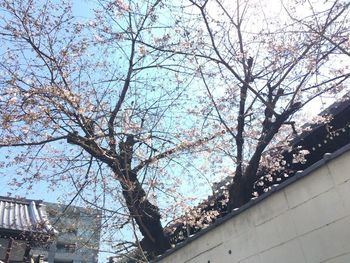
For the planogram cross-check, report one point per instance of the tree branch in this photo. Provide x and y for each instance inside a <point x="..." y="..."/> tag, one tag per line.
<point x="34" y="143"/>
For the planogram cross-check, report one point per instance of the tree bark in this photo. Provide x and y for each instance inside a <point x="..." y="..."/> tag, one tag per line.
<point x="147" y="217"/>
<point x="240" y="192"/>
<point x="146" y="214"/>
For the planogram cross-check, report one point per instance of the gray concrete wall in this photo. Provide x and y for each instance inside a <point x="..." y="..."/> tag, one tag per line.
<point x="308" y="221"/>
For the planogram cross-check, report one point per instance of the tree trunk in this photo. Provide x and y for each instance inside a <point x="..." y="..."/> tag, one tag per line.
<point x="147" y="217"/>
<point x="145" y="214"/>
<point x="240" y="192"/>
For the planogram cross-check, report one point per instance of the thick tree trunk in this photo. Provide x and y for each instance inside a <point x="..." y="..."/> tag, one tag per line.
<point x="145" y="214"/>
<point x="147" y="217"/>
<point x="240" y="192"/>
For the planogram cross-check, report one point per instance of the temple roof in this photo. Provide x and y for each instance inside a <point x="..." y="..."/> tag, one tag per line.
<point x="23" y="218"/>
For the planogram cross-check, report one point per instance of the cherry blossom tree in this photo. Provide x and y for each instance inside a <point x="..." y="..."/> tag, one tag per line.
<point x="109" y="104"/>
<point x="261" y="64"/>
<point x="87" y="103"/>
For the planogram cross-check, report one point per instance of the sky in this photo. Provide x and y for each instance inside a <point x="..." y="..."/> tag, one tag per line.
<point x="83" y="10"/>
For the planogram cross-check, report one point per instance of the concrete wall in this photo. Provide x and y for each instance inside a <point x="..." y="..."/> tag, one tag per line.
<point x="308" y="221"/>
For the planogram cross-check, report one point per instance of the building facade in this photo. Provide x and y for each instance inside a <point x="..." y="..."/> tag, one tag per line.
<point x="78" y="235"/>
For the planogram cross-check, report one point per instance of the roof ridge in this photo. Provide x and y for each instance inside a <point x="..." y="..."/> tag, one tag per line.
<point x="20" y="200"/>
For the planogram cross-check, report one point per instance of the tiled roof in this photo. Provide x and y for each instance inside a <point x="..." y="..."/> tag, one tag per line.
<point x="23" y="215"/>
